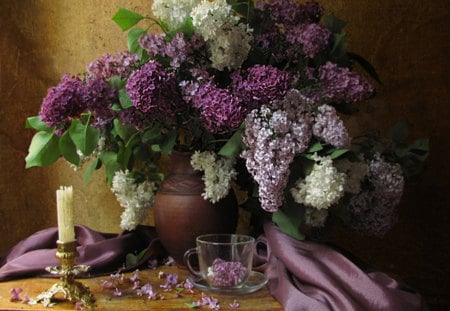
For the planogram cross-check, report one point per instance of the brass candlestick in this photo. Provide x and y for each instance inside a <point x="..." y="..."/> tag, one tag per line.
<point x="71" y="289"/>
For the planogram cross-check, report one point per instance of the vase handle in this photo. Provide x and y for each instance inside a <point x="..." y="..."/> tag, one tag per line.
<point x="187" y="262"/>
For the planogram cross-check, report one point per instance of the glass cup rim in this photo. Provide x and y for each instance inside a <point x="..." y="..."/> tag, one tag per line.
<point x="225" y="239"/>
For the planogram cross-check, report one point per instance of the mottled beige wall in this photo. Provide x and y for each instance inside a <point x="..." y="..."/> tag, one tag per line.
<point x="407" y="41"/>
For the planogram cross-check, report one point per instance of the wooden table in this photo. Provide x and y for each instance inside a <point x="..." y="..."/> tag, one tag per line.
<point x="106" y="300"/>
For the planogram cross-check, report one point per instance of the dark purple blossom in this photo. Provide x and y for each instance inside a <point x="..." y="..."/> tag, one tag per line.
<point x="122" y="64"/>
<point x="153" y="90"/>
<point x="313" y="38"/>
<point x="339" y="84"/>
<point x="64" y="102"/>
<point x="220" y="111"/>
<point x="101" y="97"/>
<point x="260" y="84"/>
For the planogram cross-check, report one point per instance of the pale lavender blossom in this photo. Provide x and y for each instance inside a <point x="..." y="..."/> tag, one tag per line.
<point x="122" y="63"/>
<point x="226" y="273"/>
<point x="329" y="127"/>
<point x="15" y="294"/>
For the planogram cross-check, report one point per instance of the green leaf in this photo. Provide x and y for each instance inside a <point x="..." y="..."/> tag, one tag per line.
<point x="233" y="146"/>
<point x="126" y="19"/>
<point x="315" y="148"/>
<point x="168" y="144"/>
<point x="43" y="150"/>
<point x="338" y="53"/>
<point x="152" y="134"/>
<point x="132" y="259"/>
<point x="133" y="39"/>
<point x="85" y="137"/>
<point x="333" y="23"/>
<point x="287" y="224"/>
<point x="337" y="153"/>
<point x="125" y="132"/>
<point x="399" y="132"/>
<point x="109" y="159"/>
<point x="117" y="82"/>
<point x="366" y="65"/>
<point x="90" y="169"/>
<point x="125" y="100"/>
<point x="68" y="149"/>
<point x="37" y="124"/>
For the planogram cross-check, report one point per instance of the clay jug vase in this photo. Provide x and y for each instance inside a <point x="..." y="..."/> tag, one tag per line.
<point x="180" y="212"/>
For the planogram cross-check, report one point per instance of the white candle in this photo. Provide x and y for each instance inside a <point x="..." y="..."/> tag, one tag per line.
<point x="66" y="228"/>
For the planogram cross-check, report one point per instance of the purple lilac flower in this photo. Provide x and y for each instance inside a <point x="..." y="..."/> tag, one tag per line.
<point x="226" y="273"/>
<point x="313" y="38"/>
<point x="211" y="302"/>
<point x="273" y="135"/>
<point x="15" y="294"/>
<point x="135" y="118"/>
<point x="260" y="84"/>
<point x="339" y="84"/>
<point x="329" y="127"/>
<point x="153" y="90"/>
<point x="64" y="102"/>
<point x="101" y="96"/>
<point x="220" y="111"/>
<point x="79" y="305"/>
<point x="153" y="43"/>
<point x="374" y="211"/>
<point x="234" y="305"/>
<point x="111" y="65"/>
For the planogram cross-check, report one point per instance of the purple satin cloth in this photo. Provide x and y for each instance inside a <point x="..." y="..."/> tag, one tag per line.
<point x="308" y="276"/>
<point x="302" y="275"/>
<point x="104" y="252"/>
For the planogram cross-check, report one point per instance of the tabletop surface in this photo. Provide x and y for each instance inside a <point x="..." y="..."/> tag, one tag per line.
<point x="127" y="299"/>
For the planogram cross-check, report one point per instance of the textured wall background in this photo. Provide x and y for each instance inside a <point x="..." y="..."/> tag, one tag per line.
<point x="407" y="41"/>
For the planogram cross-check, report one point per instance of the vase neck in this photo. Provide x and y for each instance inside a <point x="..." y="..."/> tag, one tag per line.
<point x="181" y="163"/>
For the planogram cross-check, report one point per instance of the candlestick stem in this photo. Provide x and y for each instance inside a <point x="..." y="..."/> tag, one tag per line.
<point x="71" y="289"/>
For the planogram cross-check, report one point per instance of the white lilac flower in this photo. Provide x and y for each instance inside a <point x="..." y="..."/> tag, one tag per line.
<point x="135" y="198"/>
<point x="228" y="41"/>
<point x="209" y="17"/>
<point x="230" y="47"/>
<point x="355" y="172"/>
<point x="323" y="187"/>
<point x="218" y="173"/>
<point x="173" y="12"/>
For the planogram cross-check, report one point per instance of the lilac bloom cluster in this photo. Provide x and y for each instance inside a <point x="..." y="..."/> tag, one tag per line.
<point x="112" y="65"/>
<point x="152" y="90"/>
<point x="220" y="110"/>
<point x="101" y="98"/>
<point x="290" y="27"/>
<point x="273" y="137"/>
<point x="373" y="211"/>
<point x="260" y="84"/>
<point x="339" y="84"/>
<point x="226" y="273"/>
<point x="329" y="127"/>
<point x="179" y="49"/>
<point x="64" y="102"/>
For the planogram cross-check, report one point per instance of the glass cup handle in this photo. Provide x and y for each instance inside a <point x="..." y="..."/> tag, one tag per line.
<point x="187" y="262"/>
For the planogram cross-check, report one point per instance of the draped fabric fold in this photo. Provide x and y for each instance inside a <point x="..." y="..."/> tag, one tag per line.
<point x="307" y="276"/>
<point x="302" y="275"/>
<point x="104" y="252"/>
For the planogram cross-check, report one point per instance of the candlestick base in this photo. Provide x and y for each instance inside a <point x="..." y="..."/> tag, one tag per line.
<point x="71" y="289"/>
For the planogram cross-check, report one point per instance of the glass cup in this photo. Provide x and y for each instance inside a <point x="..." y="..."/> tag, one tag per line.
<point x="224" y="260"/>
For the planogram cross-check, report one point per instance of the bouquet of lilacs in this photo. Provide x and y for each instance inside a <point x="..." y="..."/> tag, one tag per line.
<point x="254" y="90"/>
